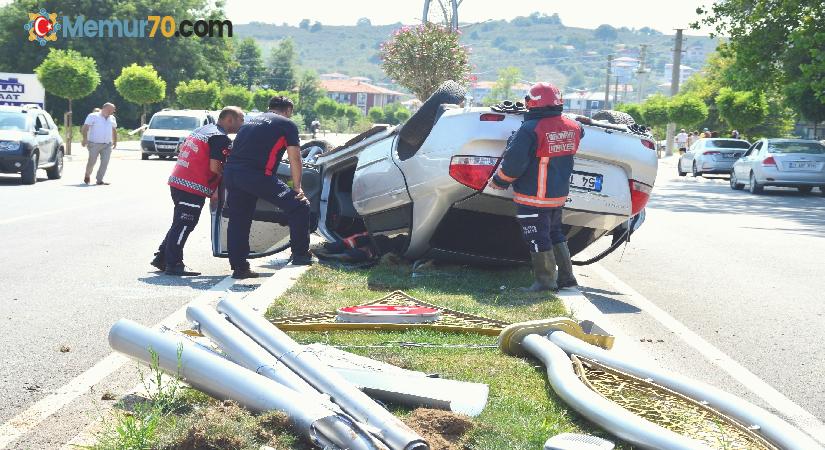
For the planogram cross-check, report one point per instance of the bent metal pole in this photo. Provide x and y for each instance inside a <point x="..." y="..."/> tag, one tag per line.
<point x="775" y="430"/>
<point x="222" y="379"/>
<point x="391" y="430"/>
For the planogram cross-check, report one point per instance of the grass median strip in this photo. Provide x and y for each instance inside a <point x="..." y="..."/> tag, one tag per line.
<point x="522" y="411"/>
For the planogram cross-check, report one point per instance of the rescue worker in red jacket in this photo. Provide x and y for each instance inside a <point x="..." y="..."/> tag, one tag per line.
<point x="538" y="164"/>
<point x="195" y="177"/>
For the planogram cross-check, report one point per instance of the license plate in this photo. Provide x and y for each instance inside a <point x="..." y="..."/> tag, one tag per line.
<point x="586" y="181"/>
<point x="803" y="165"/>
<point x="730" y="155"/>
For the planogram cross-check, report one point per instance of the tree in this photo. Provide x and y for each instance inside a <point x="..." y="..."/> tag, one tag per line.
<point x="261" y="97"/>
<point x="742" y="110"/>
<point x="352" y="113"/>
<point x="315" y="27"/>
<point x="197" y="94"/>
<point x="655" y="111"/>
<point x="304" y="24"/>
<point x="606" y="32"/>
<point x="326" y="108"/>
<point x="236" y="96"/>
<point x="402" y="115"/>
<point x="503" y="88"/>
<point x="281" y="76"/>
<point x="249" y="69"/>
<point x="363" y="22"/>
<point x="70" y="75"/>
<point x="687" y="110"/>
<point x="376" y="114"/>
<point x="309" y="92"/>
<point x="141" y="85"/>
<point x="421" y="58"/>
<point x="634" y="109"/>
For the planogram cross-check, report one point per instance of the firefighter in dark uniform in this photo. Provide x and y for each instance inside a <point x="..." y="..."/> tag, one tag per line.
<point x="250" y="174"/>
<point x="196" y="176"/>
<point x="538" y="164"/>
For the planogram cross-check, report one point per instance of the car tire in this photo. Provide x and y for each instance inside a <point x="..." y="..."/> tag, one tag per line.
<point x="144" y="156"/>
<point x="805" y="189"/>
<point x="415" y="131"/>
<point x="679" y="168"/>
<point x="734" y="182"/>
<point x="56" y="171"/>
<point x="325" y="146"/>
<point x="28" y="174"/>
<point x="754" y="187"/>
<point x="615" y="117"/>
<point x="695" y="172"/>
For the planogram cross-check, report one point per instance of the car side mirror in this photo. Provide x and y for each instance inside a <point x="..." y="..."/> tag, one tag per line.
<point x="41" y="132"/>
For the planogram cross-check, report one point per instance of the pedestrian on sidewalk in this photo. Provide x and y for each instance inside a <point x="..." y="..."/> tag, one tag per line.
<point x="692" y="138"/>
<point x="250" y="174"/>
<point x="197" y="175"/>
<point x="538" y="164"/>
<point x="682" y="141"/>
<point x="100" y="138"/>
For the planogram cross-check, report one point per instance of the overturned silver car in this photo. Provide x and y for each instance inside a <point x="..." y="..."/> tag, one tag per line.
<point x="419" y="189"/>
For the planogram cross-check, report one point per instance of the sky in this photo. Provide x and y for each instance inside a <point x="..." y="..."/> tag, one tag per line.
<point x="662" y="15"/>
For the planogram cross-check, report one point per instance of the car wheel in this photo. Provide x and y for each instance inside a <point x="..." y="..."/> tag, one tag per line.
<point x="679" y="168"/>
<point x="29" y="172"/>
<point x="755" y="188"/>
<point x="734" y="182"/>
<point x="56" y="171"/>
<point x="615" y="117"/>
<point x="144" y="156"/>
<point x="416" y="129"/>
<point x="805" y="189"/>
<point x="695" y="172"/>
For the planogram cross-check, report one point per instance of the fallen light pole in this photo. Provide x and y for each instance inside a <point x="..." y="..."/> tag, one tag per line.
<point x="222" y="379"/>
<point x="380" y="422"/>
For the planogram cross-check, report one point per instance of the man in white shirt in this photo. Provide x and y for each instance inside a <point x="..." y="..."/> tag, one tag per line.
<point x="682" y="141"/>
<point x="100" y="137"/>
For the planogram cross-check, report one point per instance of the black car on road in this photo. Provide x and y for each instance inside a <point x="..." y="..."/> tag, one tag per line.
<point x="29" y="140"/>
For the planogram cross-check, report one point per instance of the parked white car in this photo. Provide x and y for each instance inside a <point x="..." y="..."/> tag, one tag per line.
<point x="712" y="156"/>
<point x="168" y="129"/>
<point x="420" y="189"/>
<point x="798" y="163"/>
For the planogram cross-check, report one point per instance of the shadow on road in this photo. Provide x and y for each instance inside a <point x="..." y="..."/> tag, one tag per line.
<point x="808" y="210"/>
<point x="608" y="305"/>
<point x="15" y="180"/>
<point x="201" y="283"/>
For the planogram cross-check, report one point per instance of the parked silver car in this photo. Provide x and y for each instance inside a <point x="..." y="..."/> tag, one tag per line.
<point x="420" y="189"/>
<point x="798" y="163"/>
<point x="712" y="155"/>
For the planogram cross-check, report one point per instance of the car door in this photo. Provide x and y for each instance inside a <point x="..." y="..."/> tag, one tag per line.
<point x="741" y="163"/>
<point x="687" y="159"/>
<point x="269" y="233"/>
<point x="45" y="142"/>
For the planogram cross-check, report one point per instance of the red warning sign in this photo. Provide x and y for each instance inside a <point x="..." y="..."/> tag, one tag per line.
<point x="388" y="314"/>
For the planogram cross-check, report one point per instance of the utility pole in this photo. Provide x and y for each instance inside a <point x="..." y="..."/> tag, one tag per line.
<point x="607" y="83"/>
<point x="642" y="72"/>
<point x="616" y="92"/>
<point x="674" y="86"/>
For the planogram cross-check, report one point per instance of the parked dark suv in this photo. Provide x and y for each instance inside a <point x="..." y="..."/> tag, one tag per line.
<point x="29" y="140"/>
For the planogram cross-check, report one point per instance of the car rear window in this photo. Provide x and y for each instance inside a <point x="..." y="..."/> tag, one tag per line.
<point x="811" y="148"/>
<point x="174" y="123"/>
<point x="726" y="144"/>
<point x="12" y="121"/>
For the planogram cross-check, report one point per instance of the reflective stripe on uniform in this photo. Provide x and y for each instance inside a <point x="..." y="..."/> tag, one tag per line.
<point x="273" y="154"/>
<point x="528" y="200"/>
<point x="542" y="183"/>
<point x="191" y="205"/>
<point x="501" y="175"/>
<point x="191" y="185"/>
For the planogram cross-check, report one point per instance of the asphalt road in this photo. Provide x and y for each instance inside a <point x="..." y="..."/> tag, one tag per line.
<point x="744" y="272"/>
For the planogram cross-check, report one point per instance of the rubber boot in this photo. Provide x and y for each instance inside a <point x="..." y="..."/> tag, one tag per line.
<point x="544" y="271"/>
<point x="566" y="277"/>
<point x="159" y="262"/>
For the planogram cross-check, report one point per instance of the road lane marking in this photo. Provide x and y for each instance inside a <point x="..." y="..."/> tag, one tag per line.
<point x="23" y="423"/>
<point x="804" y="420"/>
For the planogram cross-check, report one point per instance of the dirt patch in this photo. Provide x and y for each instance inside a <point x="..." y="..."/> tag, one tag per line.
<point x="443" y="430"/>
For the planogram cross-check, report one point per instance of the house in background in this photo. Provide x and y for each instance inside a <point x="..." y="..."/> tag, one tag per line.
<point x="358" y="93"/>
<point x="482" y="89"/>
<point x="584" y="103"/>
<point x="333" y="76"/>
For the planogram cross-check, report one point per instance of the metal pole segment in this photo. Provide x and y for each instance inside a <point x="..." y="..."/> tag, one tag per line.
<point x="771" y="427"/>
<point x="222" y="379"/>
<point x="383" y="424"/>
<point x="601" y="411"/>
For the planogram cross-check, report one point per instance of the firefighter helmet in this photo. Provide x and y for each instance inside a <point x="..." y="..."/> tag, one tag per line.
<point x="543" y="95"/>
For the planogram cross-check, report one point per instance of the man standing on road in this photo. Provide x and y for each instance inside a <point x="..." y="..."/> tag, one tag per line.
<point x="100" y="137"/>
<point x="682" y="141"/>
<point x="251" y="174"/>
<point x="196" y="176"/>
<point x="538" y="163"/>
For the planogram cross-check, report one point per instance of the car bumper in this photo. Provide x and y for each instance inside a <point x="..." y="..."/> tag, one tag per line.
<point x="12" y="163"/>
<point x="717" y="167"/>
<point x="775" y="177"/>
<point x="148" y="147"/>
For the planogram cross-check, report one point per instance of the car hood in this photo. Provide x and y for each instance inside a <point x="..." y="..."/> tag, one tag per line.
<point x="13" y="135"/>
<point x="166" y="133"/>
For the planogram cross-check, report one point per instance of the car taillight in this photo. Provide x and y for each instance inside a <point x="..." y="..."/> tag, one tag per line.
<point x="473" y="171"/>
<point x="639" y="195"/>
<point x="649" y="144"/>
<point x="769" y="161"/>
<point x="712" y="152"/>
<point x="489" y="117"/>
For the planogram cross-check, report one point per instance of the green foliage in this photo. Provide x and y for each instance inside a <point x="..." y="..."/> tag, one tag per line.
<point x="402" y="115"/>
<point x="376" y="114"/>
<point x="140" y="84"/>
<point x="68" y="74"/>
<point x="634" y="109"/>
<point x="309" y="92"/>
<point x="393" y="114"/>
<point x="741" y="110"/>
<point x="422" y="58"/>
<point x="261" y="97"/>
<point x="281" y="74"/>
<point x="248" y="69"/>
<point x="687" y="110"/>
<point x="606" y="32"/>
<point x="197" y="94"/>
<point x="236" y="96"/>
<point x="655" y="110"/>
<point x="503" y="89"/>
<point x="326" y="108"/>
